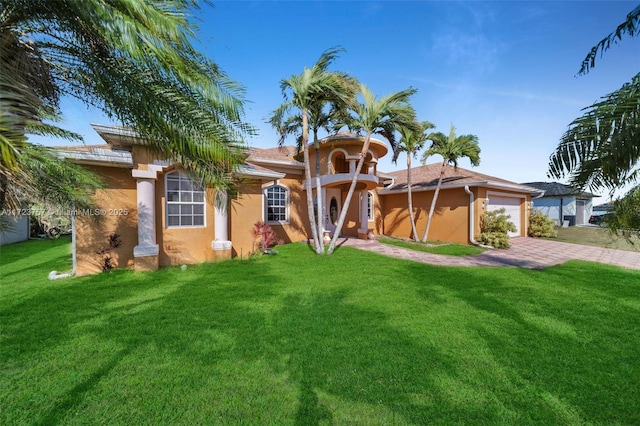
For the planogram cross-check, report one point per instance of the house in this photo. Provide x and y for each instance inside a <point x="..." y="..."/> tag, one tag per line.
<point x="150" y="213"/>
<point x="464" y="197"/>
<point x="563" y="204"/>
<point x="14" y="228"/>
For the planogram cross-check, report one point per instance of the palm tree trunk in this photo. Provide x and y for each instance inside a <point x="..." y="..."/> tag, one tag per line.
<point x="352" y="189"/>
<point x="316" y="146"/>
<point x="307" y="172"/>
<point x="414" y="232"/>
<point x="433" y="202"/>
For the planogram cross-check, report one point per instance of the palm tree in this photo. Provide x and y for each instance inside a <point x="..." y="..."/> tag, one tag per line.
<point x="131" y="59"/>
<point x="412" y="142"/>
<point x="308" y="92"/>
<point x="451" y="148"/>
<point x="374" y="116"/>
<point x="601" y="149"/>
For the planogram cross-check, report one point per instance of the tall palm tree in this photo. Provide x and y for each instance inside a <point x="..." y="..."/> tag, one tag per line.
<point x="319" y="118"/>
<point x="307" y="93"/>
<point x="131" y="59"/>
<point x="412" y="140"/>
<point x="451" y="148"/>
<point x="374" y="116"/>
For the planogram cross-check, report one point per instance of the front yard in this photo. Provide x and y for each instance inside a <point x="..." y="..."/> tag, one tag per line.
<point x="353" y="338"/>
<point x="596" y="236"/>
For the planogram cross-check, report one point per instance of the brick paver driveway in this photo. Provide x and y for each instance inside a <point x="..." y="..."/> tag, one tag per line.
<point x="524" y="252"/>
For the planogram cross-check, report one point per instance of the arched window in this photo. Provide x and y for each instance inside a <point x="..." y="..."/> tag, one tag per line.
<point x="185" y="203"/>
<point x="370" y="206"/>
<point x="277" y="204"/>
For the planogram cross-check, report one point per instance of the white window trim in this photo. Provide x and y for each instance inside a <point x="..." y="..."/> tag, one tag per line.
<point x="265" y="205"/>
<point x="371" y="203"/>
<point x="167" y="202"/>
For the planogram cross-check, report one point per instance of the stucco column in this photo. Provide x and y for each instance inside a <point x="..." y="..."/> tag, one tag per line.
<point x="324" y="214"/>
<point x="363" y="230"/>
<point x="146" y="252"/>
<point x="221" y="244"/>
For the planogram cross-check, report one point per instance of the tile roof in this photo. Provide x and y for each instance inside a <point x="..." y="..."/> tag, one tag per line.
<point x="281" y="153"/>
<point x="427" y="177"/>
<point x="556" y="189"/>
<point x="95" y="153"/>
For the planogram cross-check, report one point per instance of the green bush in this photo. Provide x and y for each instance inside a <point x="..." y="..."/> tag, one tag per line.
<point x="494" y="227"/>
<point x="541" y="226"/>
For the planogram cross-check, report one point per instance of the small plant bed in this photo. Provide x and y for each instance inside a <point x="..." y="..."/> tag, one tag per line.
<point x="435" y="247"/>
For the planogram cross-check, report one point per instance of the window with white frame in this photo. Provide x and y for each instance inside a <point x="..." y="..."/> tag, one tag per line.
<point x="277" y="201"/>
<point x="370" y="206"/>
<point x="185" y="200"/>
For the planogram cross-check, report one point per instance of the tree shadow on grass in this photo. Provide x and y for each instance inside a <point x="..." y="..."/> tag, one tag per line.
<point x="567" y="339"/>
<point x="49" y="252"/>
<point x="75" y="396"/>
<point x="353" y="357"/>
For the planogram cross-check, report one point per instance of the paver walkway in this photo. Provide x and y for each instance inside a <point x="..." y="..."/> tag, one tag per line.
<point x="525" y="252"/>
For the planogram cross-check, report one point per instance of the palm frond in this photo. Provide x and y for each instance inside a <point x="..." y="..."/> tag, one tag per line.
<point x="601" y="149"/>
<point x="452" y="147"/>
<point x="631" y="27"/>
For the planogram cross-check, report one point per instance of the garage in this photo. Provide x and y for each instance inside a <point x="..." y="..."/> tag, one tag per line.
<point x="511" y="205"/>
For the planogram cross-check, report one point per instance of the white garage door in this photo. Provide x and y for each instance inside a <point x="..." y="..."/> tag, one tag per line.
<point x="512" y="208"/>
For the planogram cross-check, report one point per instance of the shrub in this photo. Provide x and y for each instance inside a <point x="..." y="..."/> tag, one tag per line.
<point x="541" y="226"/>
<point x="49" y="220"/>
<point x="264" y="237"/>
<point x="494" y="227"/>
<point x="105" y="252"/>
<point x="625" y="218"/>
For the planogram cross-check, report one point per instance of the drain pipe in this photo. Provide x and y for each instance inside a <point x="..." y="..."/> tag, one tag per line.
<point x="471" y="222"/>
<point x="55" y="275"/>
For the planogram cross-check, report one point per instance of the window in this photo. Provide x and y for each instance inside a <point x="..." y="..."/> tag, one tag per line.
<point x="185" y="200"/>
<point x="277" y="201"/>
<point x="370" y="206"/>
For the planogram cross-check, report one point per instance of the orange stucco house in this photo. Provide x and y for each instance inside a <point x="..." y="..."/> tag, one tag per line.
<point x="162" y="216"/>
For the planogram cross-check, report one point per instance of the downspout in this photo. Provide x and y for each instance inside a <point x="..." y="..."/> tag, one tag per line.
<point x="471" y="221"/>
<point x="54" y="275"/>
<point x="73" y="241"/>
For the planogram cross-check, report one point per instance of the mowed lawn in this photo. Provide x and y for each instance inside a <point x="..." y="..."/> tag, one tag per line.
<point x="353" y="338"/>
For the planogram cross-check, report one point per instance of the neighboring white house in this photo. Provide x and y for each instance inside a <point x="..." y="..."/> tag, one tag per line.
<point x="562" y="203"/>
<point x="17" y="229"/>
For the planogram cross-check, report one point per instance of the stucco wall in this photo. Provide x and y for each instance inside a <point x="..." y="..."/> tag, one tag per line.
<point x="451" y="217"/>
<point x="550" y="206"/>
<point x="248" y="206"/>
<point x="450" y="220"/>
<point x="183" y="245"/>
<point x="116" y="214"/>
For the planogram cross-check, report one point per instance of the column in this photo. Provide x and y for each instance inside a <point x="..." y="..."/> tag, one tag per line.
<point x="221" y="245"/>
<point x="324" y="214"/>
<point x="363" y="229"/>
<point x="146" y="252"/>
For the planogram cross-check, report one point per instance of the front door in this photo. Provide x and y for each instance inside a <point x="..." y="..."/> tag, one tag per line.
<point x="332" y="210"/>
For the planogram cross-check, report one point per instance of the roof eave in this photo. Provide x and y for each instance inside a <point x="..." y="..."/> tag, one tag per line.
<point x="487" y="183"/>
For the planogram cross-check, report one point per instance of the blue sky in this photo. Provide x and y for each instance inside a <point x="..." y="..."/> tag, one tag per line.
<point x="504" y="71"/>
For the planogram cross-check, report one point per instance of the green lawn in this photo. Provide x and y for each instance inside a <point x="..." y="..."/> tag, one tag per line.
<point x="433" y="247"/>
<point x="353" y="338"/>
<point x="596" y="236"/>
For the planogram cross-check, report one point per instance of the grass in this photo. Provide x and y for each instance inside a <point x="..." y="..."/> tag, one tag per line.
<point x="433" y="247"/>
<point x="595" y="236"/>
<point x="353" y="338"/>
